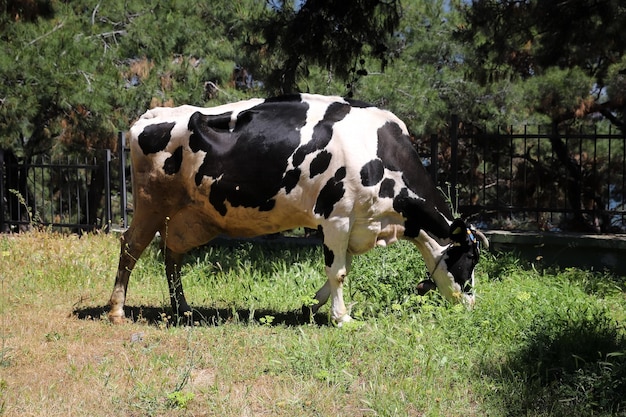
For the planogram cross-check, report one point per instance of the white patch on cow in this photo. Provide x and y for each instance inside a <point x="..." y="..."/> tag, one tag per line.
<point x="434" y="254"/>
<point x="432" y="250"/>
<point x="191" y="165"/>
<point x="235" y="108"/>
<point x="158" y="160"/>
<point x="169" y="113"/>
<point x="180" y="115"/>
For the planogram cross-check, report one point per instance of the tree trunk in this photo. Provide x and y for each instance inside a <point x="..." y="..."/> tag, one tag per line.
<point x="573" y="188"/>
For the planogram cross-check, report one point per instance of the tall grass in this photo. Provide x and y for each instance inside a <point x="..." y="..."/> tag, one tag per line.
<point x="547" y="343"/>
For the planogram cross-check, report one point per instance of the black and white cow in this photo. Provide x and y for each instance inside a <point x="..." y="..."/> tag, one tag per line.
<point x="262" y="166"/>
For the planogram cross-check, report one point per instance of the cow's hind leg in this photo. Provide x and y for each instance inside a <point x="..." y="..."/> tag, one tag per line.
<point x="133" y="242"/>
<point x="322" y="295"/>
<point x="177" y="296"/>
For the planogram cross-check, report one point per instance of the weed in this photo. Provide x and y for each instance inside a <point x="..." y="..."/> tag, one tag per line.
<point x="447" y="195"/>
<point x="179" y="399"/>
<point x="52" y="337"/>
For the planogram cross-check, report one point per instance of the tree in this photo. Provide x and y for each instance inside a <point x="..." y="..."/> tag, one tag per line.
<point x="570" y="54"/>
<point x="423" y="81"/>
<point x="291" y="37"/>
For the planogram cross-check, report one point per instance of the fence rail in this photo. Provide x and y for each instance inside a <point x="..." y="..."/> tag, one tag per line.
<point x="528" y="179"/>
<point x="537" y="179"/>
<point x="51" y="193"/>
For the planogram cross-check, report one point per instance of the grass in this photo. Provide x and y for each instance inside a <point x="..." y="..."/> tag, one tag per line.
<point x="548" y="343"/>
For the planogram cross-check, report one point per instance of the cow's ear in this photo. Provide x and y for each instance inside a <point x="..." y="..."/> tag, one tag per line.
<point x="458" y="231"/>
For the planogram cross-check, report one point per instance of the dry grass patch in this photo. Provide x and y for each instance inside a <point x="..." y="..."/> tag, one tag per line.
<point x="54" y="364"/>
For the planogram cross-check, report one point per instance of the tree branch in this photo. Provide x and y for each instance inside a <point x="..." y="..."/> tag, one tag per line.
<point x="57" y="27"/>
<point x="605" y="109"/>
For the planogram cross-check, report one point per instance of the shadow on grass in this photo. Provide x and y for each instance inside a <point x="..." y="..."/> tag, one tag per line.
<point x="229" y="254"/>
<point x="571" y="363"/>
<point x="158" y="316"/>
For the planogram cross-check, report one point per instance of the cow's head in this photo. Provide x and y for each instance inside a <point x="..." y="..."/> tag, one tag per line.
<point x="454" y="271"/>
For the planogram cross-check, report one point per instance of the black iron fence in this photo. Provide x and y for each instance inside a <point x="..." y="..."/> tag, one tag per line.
<point x="525" y="179"/>
<point x="535" y="178"/>
<point x="75" y="194"/>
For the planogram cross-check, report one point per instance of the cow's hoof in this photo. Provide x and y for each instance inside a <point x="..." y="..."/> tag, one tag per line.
<point x="425" y="286"/>
<point x="117" y="318"/>
<point x="343" y="319"/>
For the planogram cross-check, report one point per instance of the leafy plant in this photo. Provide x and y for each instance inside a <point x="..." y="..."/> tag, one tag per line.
<point x="179" y="399"/>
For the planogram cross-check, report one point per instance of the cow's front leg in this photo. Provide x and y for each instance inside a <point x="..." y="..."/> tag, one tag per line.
<point x="322" y="295"/>
<point x="177" y="295"/>
<point x="336" y="261"/>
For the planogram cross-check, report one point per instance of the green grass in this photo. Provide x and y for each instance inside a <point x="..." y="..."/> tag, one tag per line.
<point x="549" y="343"/>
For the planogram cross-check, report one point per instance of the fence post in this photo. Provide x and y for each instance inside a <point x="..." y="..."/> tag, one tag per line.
<point x="108" y="216"/>
<point x="2" y="206"/>
<point x="454" y="163"/>
<point x="434" y="157"/>
<point x="121" y="149"/>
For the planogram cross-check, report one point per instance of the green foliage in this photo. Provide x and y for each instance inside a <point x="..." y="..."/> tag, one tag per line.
<point x="332" y="34"/>
<point x="179" y="399"/>
<point x="383" y="280"/>
<point x="559" y="350"/>
<point x="423" y="82"/>
<point x="558" y="93"/>
<point x="517" y="41"/>
<point x="616" y="81"/>
<point x="74" y="73"/>
<point x="72" y="78"/>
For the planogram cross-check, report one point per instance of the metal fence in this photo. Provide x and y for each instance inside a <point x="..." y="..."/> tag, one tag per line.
<point x="52" y="193"/>
<point x="535" y="178"/>
<point x="72" y="194"/>
<point x="525" y="179"/>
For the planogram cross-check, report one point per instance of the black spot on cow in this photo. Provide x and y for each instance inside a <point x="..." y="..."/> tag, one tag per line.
<point x="387" y="188"/>
<point x="290" y="180"/>
<point x="402" y="203"/>
<point x="395" y="148"/>
<point x="155" y="138"/>
<point x="398" y="154"/>
<point x="173" y="163"/>
<point x="419" y="214"/>
<point x="372" y="172"/>
<point x="320" y="163"/>
<point x="330" y="194"/>
<point x="267" y="205"/>
<point x="329" y="256"/>
<point x="322" y="132"/>
<point x="248" y="164"/>
<point x="210" y="133"/>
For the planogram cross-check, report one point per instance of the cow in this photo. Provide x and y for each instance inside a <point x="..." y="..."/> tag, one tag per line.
<point x="263" y="166"/>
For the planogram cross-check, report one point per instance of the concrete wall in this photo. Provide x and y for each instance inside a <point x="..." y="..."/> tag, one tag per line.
<point x="597" y="252"/>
